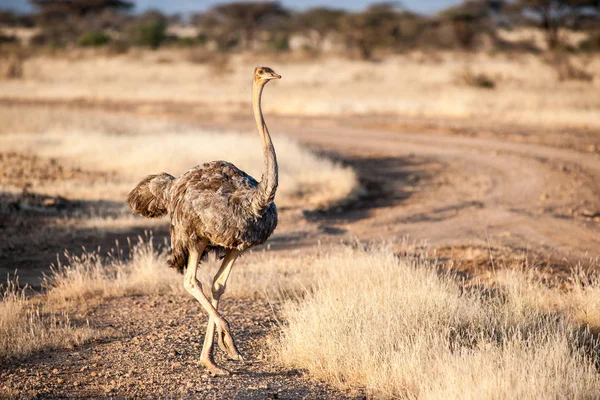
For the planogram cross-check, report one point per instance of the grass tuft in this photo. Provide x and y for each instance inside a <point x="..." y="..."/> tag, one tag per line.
<point x="400" y="329"/>
<point x="27" y="326"/>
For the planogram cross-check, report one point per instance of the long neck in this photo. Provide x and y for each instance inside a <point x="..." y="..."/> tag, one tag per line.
<point x="268" y="183"/>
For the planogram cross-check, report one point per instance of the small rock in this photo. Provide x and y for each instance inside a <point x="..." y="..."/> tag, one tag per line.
<point x="60" y="381"/>
<point x="175" y="365"/>
<point x="50" y="202"/>
<point x="76" y="384"/>
<point x="55" y="371"/>
<point x="590" y="213"/>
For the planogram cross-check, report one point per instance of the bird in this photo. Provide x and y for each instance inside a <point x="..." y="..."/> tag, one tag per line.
<point x="215" y="207"/>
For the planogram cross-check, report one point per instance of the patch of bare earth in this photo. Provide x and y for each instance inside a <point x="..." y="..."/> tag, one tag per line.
<point x="36" y="228"/>
<point x="152" y="351"/>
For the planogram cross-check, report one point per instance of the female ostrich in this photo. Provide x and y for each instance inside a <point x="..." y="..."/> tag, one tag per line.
<point x="215" y="206"/>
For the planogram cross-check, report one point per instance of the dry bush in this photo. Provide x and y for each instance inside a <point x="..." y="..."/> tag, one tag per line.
<point x="404" y="85"/>
<point x="12" y="67"/>
<point x="219" y="65"/>
<point x="199" y="55"/>
<point x="306" y="180"/>
<point x="402" y="330"/>
<point x="94" y="276"/>
<point x="479" y="80"/>
<point x="90" y="277"/>
<point x="567" y="71"/>
<point x="581" y="302"/>
<point x="27" y="326"/>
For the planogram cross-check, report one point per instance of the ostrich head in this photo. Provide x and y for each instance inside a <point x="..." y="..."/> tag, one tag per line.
<point x="263" y="75"/>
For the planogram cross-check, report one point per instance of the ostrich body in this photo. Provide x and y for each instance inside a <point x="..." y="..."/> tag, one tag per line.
<point x="215" y="206"/>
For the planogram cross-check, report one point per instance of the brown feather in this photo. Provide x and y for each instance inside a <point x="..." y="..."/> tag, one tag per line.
<point x="150" y="196"/>
<point x="216" y="201"/>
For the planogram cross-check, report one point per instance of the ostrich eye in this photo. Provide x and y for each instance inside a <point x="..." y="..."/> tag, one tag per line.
<point x="260" y="72"/>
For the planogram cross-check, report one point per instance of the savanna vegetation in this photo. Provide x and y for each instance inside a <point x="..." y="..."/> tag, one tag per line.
<point x="94" y="96"/>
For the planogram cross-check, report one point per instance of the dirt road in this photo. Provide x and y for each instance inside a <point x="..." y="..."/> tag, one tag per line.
<point x="473" y="196"/>
<point x="511" y="198"/>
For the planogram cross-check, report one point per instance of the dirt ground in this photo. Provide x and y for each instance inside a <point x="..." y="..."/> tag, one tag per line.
<point x="471" y="194"/>
<point x="158" y="357"/>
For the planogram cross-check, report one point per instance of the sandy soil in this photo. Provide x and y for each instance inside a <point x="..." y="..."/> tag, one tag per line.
<point x="158" y="357"/>
<point x="473" y="196"/>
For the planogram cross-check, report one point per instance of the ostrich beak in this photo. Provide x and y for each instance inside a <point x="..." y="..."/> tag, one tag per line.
<point x="275" y="76"/>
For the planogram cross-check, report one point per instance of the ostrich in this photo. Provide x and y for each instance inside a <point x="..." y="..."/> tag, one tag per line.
<point x="215" y="206"/>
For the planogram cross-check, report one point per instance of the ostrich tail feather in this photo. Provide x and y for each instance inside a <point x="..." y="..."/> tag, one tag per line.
<point x="150" y="198"/>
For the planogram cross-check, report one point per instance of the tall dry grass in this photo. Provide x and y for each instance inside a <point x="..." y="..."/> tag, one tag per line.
<point x="95" y="276"/>
<point x="363" y="317"/>
<point x="416" y="85"/>
<point x="130" y="152"/>
<point x="403" y="330"/>
<point x="28" y="326"/>
<point x="33" y="323"/>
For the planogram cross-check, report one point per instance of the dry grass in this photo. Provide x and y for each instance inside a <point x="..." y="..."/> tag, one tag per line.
<point x="399" y="328"/>
<point x="93" y="276"/>
<point x="527" y="89"/>
<point x="116" y="145"/>
<point x="31" y="324"/>
<point x="363" y="317"/>
<point x="28" y="326"/>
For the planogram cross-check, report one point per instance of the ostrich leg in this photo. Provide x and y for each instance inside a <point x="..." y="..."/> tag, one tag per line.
<point x="218" y="288"/>
<point x="194" y="287"/>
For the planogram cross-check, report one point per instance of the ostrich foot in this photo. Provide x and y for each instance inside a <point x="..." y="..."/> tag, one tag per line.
<point x="213" y="369"/>
<point x="226" y="342"/>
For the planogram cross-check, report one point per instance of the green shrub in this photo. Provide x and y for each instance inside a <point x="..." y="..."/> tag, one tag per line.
<point x="279" y="43"/>
<point x="151" y="33"/>
<point x="93" y="39"/>
<point x="186" y="41"/>
<point x="479" y="80"/>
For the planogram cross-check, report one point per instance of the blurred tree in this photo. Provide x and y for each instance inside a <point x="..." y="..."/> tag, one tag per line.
<point x="244" y="18"/>
<point x="318" y="23"/>
<point x="63" y="21"/>
<point x="552" y="15"/>
<point x="377" y="26"/>
<point x="472" y="18"/>
<point x="10" y="18"/>
<point x="150" y="29"/>
<point x="212" y="29"/>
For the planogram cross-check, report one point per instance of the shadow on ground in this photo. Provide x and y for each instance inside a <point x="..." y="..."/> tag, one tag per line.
<point x="385" y="182"/>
